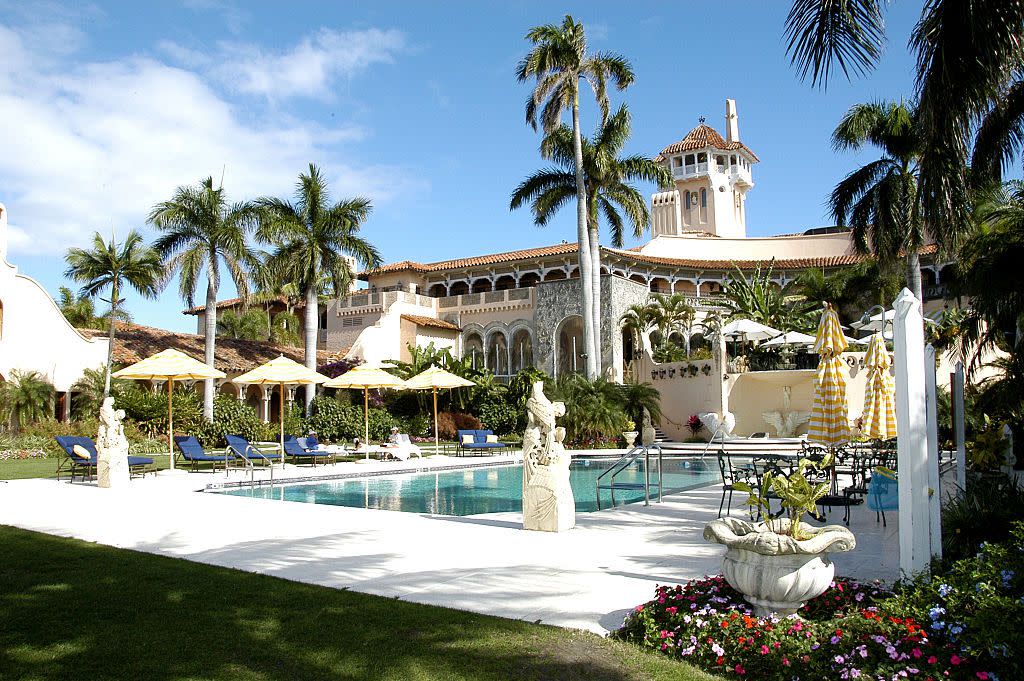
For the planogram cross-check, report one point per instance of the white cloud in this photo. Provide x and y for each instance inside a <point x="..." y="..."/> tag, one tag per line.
<point x="95" y="145"/>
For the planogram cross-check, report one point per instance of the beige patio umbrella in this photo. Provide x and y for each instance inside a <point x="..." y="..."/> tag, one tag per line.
<point x="366" y="377"/>
<point x="829" y="424"/>
<point x="169" y="365"/>
<point x="434" y="378"/>
<point x="281" y="371"/>
<point x="879" y="419"/>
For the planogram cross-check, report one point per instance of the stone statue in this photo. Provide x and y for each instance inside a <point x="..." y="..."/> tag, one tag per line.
<point x="548" y="503"/>
<point x="786" y="421"/>
<point x="647" y="434"/>
<point x="111" y="447"/>
<point x="718" y="425"/>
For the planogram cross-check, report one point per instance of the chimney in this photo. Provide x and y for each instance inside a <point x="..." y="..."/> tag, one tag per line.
<point x="732" y="122"/>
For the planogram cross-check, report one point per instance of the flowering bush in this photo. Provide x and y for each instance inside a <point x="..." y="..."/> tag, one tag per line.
<point x="694" y="424"/>
<point x="846" y="633"/>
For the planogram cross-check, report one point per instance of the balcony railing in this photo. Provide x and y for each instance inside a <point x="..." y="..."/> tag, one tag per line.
<point x="511" y="295"/>
<point x="383" y="298"/>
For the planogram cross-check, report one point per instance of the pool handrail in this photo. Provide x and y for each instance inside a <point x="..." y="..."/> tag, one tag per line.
<point x="621" y="464"/>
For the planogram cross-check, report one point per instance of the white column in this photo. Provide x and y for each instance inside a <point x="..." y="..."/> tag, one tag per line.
<point x="912" y="426"/>
<point x="959" y="427"/>
<point x="266" y="403"/>
<point x="934" y="484"/>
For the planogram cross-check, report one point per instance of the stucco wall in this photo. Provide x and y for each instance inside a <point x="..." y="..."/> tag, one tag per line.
<point x="751" y="248"/>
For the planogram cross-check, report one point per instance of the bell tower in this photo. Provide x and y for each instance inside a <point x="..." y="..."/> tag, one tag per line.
<point x="711" y="177"/>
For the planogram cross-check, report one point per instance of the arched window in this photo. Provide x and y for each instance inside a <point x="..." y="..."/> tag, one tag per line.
<point x="473" y="347"/>
<point x="459" y="288"/>
<point x="703" y="198"/>
<point x="571" y="356"/>
<point x="521" y="350"/>
<point x="686" y="200"/>
<point x="497" y="354"/>
<point x="438" y="291"/>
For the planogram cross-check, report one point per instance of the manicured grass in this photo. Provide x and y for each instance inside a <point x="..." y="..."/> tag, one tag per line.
<point x="73" y="610"/>
<point x="17" y="469"/>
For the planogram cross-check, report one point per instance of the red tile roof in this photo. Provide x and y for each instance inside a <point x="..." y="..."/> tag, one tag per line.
<point x="703" y="137"/>
<point x="133" y="342"/>
<point x="475" y="261"/>
<point x="430" y="321"/>
<point x="235" y="302"/>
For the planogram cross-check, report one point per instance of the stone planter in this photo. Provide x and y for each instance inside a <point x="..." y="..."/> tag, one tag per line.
<point x="774" y="572"/>
<point x="630" y="437"/>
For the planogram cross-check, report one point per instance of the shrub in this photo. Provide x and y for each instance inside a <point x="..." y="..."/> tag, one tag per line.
<point x="466" y="422"/>
<point x="445" y="425"/>
<point x="418" y="425"/>
<point x="334" y="420"/>
<point x="231" y="417"/>
<point x="502" y="417"/>
<point x="984" y="512"/>
<point x="149" y="410"/>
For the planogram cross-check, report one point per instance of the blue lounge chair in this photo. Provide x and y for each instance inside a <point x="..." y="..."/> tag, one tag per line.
<point x="193" y="452"/>
<point x="74" y="462"/>
<point x="294" y="449"/>
<point x="240" y="447"/>
<point x="477" y="441"/>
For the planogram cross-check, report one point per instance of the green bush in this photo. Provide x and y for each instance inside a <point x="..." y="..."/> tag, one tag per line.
<point x="984" y="512"/>
<point x="501" y="417"/>
<point x="418" y="425"/>
<point x="38" y="436"/>
<point x="231" y="417"/>
<point x="334" y="421"/>
<point x="149" y="410"/>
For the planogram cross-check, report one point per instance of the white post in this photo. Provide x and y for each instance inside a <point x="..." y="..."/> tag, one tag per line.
<point x="1009" y="460"/>
<point x="959" y="426"/>
<point x="911" y="424"/>
<point x="934" y="483"/>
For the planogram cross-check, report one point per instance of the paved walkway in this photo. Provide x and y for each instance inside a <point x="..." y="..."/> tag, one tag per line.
<point x="587" y="578"/>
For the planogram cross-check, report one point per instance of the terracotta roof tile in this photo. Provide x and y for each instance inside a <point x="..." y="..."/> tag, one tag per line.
<point x="703" y="137"/>
<point x="475" y="261"/>
<point x="430" y="321"/>
<point x="233" y="302"/>
<point x="134" y="342"/>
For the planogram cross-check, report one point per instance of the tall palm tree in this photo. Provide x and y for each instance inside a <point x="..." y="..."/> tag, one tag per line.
<point x="637" y="320"/>
<point x="112" y="266"/>
<point x="969" y="80"/>
<point x="26" y="398"/>
<point x="244" y="325"/>
<point x="202" y="231"/>
<point x="672" y="314"/>
<point x="310" y="239"/>
<point x="558" y="62"/>
<point x="880" y="200"/>
<point x="79" y="310"/>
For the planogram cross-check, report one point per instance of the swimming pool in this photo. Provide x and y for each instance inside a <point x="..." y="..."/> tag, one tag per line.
<point x="494" y="489"/>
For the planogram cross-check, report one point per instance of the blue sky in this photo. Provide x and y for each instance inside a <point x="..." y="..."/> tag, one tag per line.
<point x="106" y="108"/>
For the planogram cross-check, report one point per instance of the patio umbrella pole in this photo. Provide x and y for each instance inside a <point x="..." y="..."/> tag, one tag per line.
<point x="366" y="421"/>
<point x="170" y="421"/>
<point x="435" y="421"/>
<point x="282" y="427"/>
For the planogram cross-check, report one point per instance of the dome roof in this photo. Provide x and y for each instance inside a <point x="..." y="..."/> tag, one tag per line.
<point x="703" y="137"/>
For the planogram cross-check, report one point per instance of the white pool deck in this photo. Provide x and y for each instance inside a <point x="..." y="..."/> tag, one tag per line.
<point x="587" y="578"/>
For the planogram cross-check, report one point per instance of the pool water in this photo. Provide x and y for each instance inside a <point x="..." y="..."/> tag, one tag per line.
<point x="494" y="489"/>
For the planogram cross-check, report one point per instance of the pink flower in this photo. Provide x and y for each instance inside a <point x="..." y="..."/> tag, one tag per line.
<point x="954" y="660"/>
<point x="932" y="659"/>
<point x="764" y="650"/>
<point x="740" y="670"/>
<point x="982" y="675"/>
<point x="916" y="652"/>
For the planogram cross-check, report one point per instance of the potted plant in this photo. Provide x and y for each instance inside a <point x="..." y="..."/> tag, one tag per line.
<point x="782" y="562"/>
<point x="630" y="433"/>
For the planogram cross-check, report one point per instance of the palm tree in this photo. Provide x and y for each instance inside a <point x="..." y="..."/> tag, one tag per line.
<point x="311" y="238"/>
<point x="969" y="80"/>
<point x="244" y="325"/>
<point x="851" y="290"/>
<point x="200" y="231"/>
<point x="558" y="62"/>
<point x="88" y="391"/>
<point x="78" y="310"/>
<point x="113" y="266"/>
<point x="759" y="298"/>
<point x="636" y="321"/>
<point x="880" y="200"/>
<point x="672" y="314"/>
<point x="26" y="398"/>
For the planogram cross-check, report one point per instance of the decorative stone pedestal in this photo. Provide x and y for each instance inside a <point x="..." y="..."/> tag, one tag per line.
<point x="111" y="448"/>
<point x="548" y="503"/>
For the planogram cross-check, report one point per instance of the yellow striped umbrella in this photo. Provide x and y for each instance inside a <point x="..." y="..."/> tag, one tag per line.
<point x="879" y="419"/>
<point x="829" y="422"/>
<point x="169" y="365"/>
<point x="432" y="379"/>
<point x="281" y="371"/>
<point x="366" y="377"/>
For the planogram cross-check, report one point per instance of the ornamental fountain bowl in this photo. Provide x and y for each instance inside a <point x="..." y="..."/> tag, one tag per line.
<point x="775" y="572"/>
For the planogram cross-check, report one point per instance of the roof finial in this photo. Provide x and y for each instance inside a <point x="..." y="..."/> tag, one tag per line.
<point x="701" y="119"/>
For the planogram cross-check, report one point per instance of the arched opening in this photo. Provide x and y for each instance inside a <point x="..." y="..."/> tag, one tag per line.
<point x="473" y="347"/>
<point x="438" y="291"/>
<point x="628" y="346"/>
<point x="275" y="407"/>
<point x="505" y="282"/>
<point x="575" y="273"/>
<point x="927" y="277"/>
<point x="228" y="388"/>
<point x="660" y="285"/>
<point x="497" y="353"/>
<point x="687" y="288"/>
<point x="521" y="350"/>
<point x="459" y="288"/>
<point x="481" y="286"/>
<point x="529" y="279"/>
<point x="639" y="278"/>
<point x="571" y="357"/>
<point x="554" y="275"/>
<point x="254" y="398"/>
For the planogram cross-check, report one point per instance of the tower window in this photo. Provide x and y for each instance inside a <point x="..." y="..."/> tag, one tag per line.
<point x="703" y="198"/>
<point x="702" y="157"/>
<point x="677" y="161"/>
<point x="732" y="160"/>
<point x="689" y="159"/>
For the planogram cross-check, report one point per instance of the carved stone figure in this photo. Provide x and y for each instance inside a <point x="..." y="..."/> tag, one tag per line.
<point x="647" y="434"/>
<point x="786" y="421"/>
<point x="111" y="447"/>
<point x="548" y="503"/>
<point x="718" y="425"/>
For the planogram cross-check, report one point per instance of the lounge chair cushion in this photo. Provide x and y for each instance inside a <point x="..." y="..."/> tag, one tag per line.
<point x="467" y="439"/>
<point x="80" y="451"/>
<point x="492" y="438"/>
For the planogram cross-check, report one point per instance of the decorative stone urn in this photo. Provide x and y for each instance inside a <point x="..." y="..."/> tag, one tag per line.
<point x="774" y="572"/>
<point x="630" y="437"/>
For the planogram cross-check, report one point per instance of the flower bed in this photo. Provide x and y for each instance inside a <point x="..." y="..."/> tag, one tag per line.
<point x="848" y="632"/>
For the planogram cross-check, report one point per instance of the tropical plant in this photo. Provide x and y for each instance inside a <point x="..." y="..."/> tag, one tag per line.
<point x="593" y="409"/>
<point x="244" y="325"/>
<point x="759" y="298"/>
<point x="639" y="396"/>
<point x="109" y="266"/>
<point x="284" y="329"/>
<point x="201" y="231"/>
<point x="880" y="201"/>
<point x="798" y="492"/>
<point x="851" y="290"/>
<point x="80" y="311"/>
<point x="558" y="62"/>
<point x="25" y="398"/>
<point x="88" y="392"/>
<point x="636" y="321"/>
<point x="311" y="238"/>
<point x="673" y="315"/>
<point x="968" y="85"/>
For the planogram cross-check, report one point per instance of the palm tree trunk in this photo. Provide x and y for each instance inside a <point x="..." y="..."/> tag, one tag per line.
<point x="914" y="273"/>
<point x="586" y="283"/>
<point x="210" y="332"/>
<point x="595" y="274"/>
<point x="312" y="322"/>
<point x="110" y="340"/>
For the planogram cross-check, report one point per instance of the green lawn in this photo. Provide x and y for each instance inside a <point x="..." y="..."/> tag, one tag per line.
<point x="74" y="610"/>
